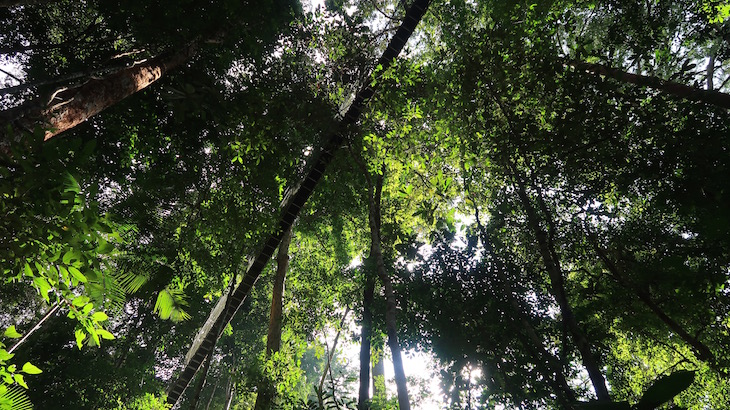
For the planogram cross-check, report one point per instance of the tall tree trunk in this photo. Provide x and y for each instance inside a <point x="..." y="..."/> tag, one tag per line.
<point x="546" y="363"/>
<point x="711" y="73"/>
<point x="201" y="383"/>
<point x="69" y="108"/>
<point x="557" y="285"/>
<point x="363" y="398"/>
<point x="294" y="200"/>
<point x="266" y="390"/>
<point x="686" y="92"/>
<point x="391" y="324"/>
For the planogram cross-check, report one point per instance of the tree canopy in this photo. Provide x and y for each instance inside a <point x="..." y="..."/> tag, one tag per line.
<point x="532" y="195"/>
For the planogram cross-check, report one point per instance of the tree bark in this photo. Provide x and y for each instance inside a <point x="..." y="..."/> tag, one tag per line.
<point x="391" y="324"/>
<point x="231" y="391"/>
<point x="69" y="108"/>
<point x="266" y="391"/>
<point x="686" y="92"/>
<point x="212" y="395"/>
<point x="363" y="398"/>
<point x="557" y="285"/>
<point x="294" y="200"/>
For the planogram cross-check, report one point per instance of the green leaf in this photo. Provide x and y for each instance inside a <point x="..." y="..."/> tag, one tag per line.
<point x="19" y="379"/>
<point x="28" y="271"/>
<point x="12" y="333"/>
<point x="31" y="369"/>
<point x="43" y="287"/>
<point x="5" y="356"/>
<point x="80" y="336"/>
<point x="664" y="389"/>
<point x="77" y="274"/>
<point x="99" y="316"/>
<point x="105" y="334"/>
<point x="104" y="247"/>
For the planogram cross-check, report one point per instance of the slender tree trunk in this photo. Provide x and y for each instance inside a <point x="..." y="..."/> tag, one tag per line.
<point x="379" y="390"/>
<point x="294" y="200"/>
<point x="686" y="92"/>
<point x="330" y="357"/>
<point x="49" y="314"/>
<point x="546" y="363"/>
<point x="266" y="390"/>
<point x="391" y="308"/>
<point x="230" y="393"/>
<point x="201" y="383"/>
<point x="212" y="395"/>
<point x="363" y="400"/>
<point x="69" y="108"/>
<point x="700" y="349"/>
<point x="557" y="285"/>
<point x="711" y="73"/>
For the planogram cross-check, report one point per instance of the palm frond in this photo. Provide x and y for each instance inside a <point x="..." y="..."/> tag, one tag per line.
<point x="169" y="305"/>
<point x="14" y="398"/>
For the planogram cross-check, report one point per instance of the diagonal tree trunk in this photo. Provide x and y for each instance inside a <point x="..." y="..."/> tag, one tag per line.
<point x="557" y="285"/>
<point x="391" y="324"/>
<point x="266" y="390"/>
<point x="201" y="383"/>
<point x="330" y="356"/>
<point x="71" y="107"/>
<point x="712" y="97"/>
<point x="230" y="301"/>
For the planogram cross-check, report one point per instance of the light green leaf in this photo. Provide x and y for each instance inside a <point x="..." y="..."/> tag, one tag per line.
<point x="31" y="369"/>
<point x="12" y="333"/>
<point x="77" y="274"/>
<point x="19" y="379"/>
<point x="80" y="336"/>
<point x="105" y="334"/>
<point x="99" y="316"/>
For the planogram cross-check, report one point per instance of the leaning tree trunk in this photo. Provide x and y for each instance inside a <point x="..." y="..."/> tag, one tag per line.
<point x="71" y="107"/>
<point x="712" y="97"/>
<point x="296" y="198"/>
<point x="557" y="285"/>
<point x="363" y="398"/>
<point x="391" y="324"/>
<point x="266" y="390"/>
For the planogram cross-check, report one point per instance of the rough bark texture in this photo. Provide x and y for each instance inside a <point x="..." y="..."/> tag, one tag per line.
<point x="71" y="107"/>
<point x="295" y="199"/>
<point x="266" y="390"/>
<point x="363" y="398"/>
<point x="391" y="324"/>
<point x="557" y="285"/>
<point x="711" y="97"/>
